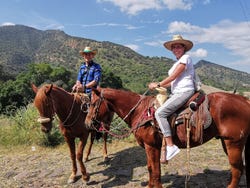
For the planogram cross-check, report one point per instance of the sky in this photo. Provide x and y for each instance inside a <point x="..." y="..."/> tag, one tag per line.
<point x="219" y="29"/>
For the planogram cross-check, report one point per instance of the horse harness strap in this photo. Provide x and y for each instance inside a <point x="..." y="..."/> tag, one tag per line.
<point x="84" y="101"/>
<point x="125" y="117"/>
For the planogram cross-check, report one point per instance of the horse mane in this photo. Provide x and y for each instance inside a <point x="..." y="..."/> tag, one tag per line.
<point x="122" y="92"/>
<point x="145" y="101"/>
<point x="44" y="91"/>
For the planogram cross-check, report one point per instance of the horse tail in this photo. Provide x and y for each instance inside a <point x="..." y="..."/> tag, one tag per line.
<point x="247" y="160"/>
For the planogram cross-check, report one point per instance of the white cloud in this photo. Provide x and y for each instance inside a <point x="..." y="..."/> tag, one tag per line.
<point x="133" y="7"/>
<point x="132" y="46"/>
<point x="42" y="22"/>
<point x="7" y="23"/>
<point x="154" y="43"/>
<point x="182" y="27"/>
<point x="205" y="2"/>
<point x="233" y="36"/>
<point x="199" y="53"/>
<point x="178" y="4"/>
<point x="127" y="26"/>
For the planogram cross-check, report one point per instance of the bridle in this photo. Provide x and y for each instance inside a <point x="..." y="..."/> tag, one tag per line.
<point x="97" y="106"/>
<point x="94" y="119"/>
<point x="50" y="102"/>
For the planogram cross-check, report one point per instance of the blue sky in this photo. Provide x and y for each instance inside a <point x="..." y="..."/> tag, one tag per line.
<point x="220" y="29"/>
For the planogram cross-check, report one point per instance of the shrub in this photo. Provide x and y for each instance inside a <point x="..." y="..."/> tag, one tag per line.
<point x="23" y="129"/>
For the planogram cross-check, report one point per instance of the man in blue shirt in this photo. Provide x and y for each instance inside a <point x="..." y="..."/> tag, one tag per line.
<point x="89" y="74"/>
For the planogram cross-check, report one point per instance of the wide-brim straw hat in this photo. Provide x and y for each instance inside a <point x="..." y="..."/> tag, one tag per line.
<point x="177" y="39"/>
<point x="88" y="50"/>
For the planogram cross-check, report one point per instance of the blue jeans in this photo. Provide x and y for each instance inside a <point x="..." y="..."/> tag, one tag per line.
<point x="169" y="107"/>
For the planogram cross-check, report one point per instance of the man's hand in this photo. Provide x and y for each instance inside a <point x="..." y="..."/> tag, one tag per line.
<point x="78" y="88"/>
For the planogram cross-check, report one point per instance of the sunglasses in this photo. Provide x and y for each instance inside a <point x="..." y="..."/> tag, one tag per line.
<point x="177" y="47"/>
<point x="87" y="54"/>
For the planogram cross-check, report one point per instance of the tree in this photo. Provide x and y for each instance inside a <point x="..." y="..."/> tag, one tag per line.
<point x="110" y="80"/>
<point x="17" y="93"/>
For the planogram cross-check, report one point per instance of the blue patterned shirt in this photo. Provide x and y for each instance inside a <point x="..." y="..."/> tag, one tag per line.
<point x="88" y="73"/>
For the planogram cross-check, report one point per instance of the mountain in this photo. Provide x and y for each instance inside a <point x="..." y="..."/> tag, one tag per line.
<point x="222" y="77"/>
<point x="21" y="45"/>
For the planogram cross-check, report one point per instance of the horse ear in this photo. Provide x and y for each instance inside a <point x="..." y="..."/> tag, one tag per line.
<point x="34" y="88"/>
<point x="48" y="90"/>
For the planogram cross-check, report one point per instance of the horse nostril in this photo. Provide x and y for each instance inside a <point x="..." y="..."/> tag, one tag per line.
<point x="45" y="130"/>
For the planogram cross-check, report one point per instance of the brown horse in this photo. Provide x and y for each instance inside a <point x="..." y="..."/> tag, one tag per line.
<point x="230" y="122"/>
<point x="71" y="110"/>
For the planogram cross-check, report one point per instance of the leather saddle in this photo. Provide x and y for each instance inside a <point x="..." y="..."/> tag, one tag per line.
<point x="196" y="113"/>
<point x="195" y="110"/>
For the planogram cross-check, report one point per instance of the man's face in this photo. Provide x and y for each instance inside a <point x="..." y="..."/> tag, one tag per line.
<point x="88" y="56"/>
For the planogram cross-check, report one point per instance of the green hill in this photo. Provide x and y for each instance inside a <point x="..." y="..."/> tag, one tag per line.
<point x="21" y="45"/>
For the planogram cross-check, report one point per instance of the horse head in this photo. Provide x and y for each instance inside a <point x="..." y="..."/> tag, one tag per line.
<point x="44" y="105"/>
<point x="99" y="110"/>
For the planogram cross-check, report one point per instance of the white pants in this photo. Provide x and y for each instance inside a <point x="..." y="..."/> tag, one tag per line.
<point x="169" y="107"/>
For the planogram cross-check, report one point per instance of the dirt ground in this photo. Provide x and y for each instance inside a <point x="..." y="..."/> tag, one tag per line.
<point x="38" y="167"/>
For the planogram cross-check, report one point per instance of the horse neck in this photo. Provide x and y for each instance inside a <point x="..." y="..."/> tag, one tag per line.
<point x="123" y="103"/>
<point x="62" y="102"/>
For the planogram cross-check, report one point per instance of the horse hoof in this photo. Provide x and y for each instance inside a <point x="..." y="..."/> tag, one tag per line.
<point x="70" y="181"/>
<point x="86" y="177"/>
<point x="85" y="159"/>
<point x="164" y="161"/>
<point x="105" y="159"/>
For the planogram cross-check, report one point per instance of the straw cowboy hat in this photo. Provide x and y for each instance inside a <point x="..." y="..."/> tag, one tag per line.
<point x="177" y="39"/>
<point x="88" y="50"/>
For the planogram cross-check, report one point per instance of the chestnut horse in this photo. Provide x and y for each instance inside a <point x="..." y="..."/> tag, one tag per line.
<point x="230" y="122"/>
<point x="71" y="110"/>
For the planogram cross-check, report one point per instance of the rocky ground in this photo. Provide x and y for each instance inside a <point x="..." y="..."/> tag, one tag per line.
<point x="38" y="167"/>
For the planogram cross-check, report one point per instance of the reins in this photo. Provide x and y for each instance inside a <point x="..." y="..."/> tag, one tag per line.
<point x="45" y="119"/>
<point x="102" y="98"/>
<point x="70" y="113"/>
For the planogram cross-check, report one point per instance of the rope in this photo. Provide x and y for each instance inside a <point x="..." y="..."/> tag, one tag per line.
<point x="116" y="135"/>
<point x="187" y="118"/>
<point x="131" y="130"/>
<point x="70" y="112"/>
<point x="136" y="104"/>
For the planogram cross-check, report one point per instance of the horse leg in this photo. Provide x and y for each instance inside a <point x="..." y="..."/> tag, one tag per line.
<point x="154" y="168"/>
<point x="247" y="161"/>
<point x="223" y="145"/>
<point x="71" y="144"/>
<point x="235" y="160"/>
<point x="105" y="153"/>
<point x="92" y="138"/>
<point x="79" y="156"/>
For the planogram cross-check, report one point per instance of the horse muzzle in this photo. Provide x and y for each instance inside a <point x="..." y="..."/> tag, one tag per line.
<point x="46" y="123"/>
<point x="92" y="124"/>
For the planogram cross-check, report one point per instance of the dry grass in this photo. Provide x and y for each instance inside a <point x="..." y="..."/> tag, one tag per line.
<point x="35" y="166"/>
